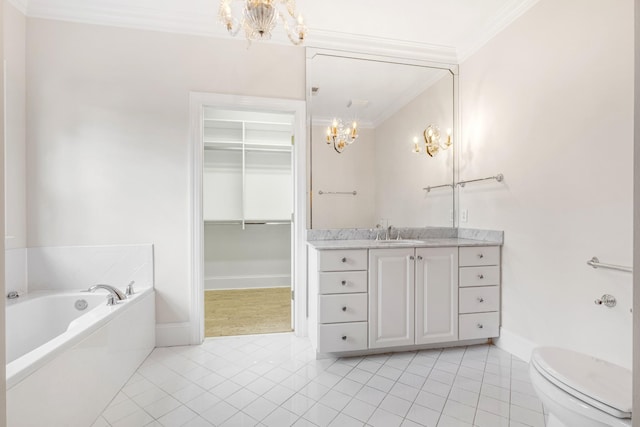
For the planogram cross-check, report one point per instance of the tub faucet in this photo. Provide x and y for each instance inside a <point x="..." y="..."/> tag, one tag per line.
<point x="115" y="294"/>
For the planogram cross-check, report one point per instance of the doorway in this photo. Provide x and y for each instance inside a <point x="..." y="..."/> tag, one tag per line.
<point x="247" y="192"/>
<point x="248" y="158"/>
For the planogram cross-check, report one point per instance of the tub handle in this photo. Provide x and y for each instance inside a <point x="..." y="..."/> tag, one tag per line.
<point x="111" y="300"/>
<point x="130" y="290"/>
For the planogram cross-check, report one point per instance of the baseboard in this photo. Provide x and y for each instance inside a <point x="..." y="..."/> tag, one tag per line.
<point x="247" y="282"/>
<point x="173" y="334"/>
<point x="515" y="344"/>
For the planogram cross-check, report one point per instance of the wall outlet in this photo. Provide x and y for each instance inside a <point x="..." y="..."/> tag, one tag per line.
<point x="464" y="215"/>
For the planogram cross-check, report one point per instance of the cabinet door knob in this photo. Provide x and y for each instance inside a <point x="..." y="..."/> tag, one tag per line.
<point x="412" y="258"/>
<point x="419" y="257"/>
<point x="344" y="308"/>
<point x="344" y="282"/>
<point x="480" y="299"/>
<point x="344" y="260"/>
<point x="480" y="256"/>
<point x="480" y="326"/>
<point x="480" y="276"/>
<point x="344" y="338"/>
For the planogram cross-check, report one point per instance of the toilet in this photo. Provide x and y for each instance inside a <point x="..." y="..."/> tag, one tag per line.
<point x="578" y="390"/>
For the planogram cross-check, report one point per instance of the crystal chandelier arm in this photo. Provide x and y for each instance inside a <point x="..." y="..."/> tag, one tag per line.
<point x="297" y="35"/>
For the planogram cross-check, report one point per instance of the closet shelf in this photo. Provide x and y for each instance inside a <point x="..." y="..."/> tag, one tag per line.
<point x="238" y="146"/>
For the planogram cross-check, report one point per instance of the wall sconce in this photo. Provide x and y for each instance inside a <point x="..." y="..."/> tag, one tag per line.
<point x="432" y="141"/>
<point x="341" y="137"/>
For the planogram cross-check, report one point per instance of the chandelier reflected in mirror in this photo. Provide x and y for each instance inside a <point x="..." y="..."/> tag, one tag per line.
<point x="340" y="136"/>
<point x="432" y="144"/>
<point x="259" y="17"/>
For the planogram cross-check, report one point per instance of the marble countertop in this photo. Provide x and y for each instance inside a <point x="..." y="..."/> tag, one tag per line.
<point x="380" y="244"/>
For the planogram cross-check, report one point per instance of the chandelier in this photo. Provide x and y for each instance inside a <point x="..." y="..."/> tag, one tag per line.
<point x="341" y="137"/>
<point x="432" y="143"/>
<point x="259" y="17"/>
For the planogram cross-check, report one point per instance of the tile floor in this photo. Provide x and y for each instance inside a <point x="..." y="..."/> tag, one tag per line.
<point x="274" y="380"/>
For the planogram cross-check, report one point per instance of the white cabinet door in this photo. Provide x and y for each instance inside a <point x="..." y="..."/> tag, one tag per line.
<point x="391" y="297"/>
<point x="436" y="295"/>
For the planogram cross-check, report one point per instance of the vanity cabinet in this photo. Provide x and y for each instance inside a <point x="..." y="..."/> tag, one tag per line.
<point x="413" y="296"/>
<point x="338" y="315"/>
<point x="377" y="298"/>
<point x="391" y="297"/>
<point x="479" y="292"/>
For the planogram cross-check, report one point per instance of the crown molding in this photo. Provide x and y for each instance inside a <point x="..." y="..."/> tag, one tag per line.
<point x="507" y="15"/>
<point x="21" y="5"/>
<point x="136" y="17"/>
<point x="347" y="42"/>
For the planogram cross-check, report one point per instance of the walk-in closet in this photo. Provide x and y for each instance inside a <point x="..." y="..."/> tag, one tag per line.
<point x="247" y="208"/>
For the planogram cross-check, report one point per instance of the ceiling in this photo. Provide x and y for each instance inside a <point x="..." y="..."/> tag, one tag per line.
<point x="452" y="28"/>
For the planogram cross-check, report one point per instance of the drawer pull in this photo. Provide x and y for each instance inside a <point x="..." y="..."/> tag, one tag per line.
<point x="412" y="258"/>
<point x="480" y="255"/>
<point x="344" y="338"/>
<point x="480" y="326"/>
<point x="344" y="260"/>
<point x="344" y="308"/>
<point x="419" y="257"/>
<point x="480" y="299"/>
<point x="344" y="283"/>
<point x="480" y="276"/>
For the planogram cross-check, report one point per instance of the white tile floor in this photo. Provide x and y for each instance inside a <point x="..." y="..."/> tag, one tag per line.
<point x="274" y="380"/>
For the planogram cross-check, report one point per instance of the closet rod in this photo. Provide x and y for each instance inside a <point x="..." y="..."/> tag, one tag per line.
<point x="252" y="222"/>
<point x="274" y="150"/>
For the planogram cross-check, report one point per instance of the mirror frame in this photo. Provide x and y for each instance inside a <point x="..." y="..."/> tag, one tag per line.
<point x="451" y="68"/>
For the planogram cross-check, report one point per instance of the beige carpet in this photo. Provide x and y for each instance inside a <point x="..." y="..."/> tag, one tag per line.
<point x="247" y="311"/>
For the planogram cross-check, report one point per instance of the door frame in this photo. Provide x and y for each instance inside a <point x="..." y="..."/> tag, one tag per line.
<point x="197" y="100"/>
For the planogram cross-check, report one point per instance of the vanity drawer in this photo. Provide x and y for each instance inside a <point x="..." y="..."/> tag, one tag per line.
<point x="342" y="260"/>
<point x="342" y="337"/>
<point x="339" y="282"/>
<point x="478" y="325"/>
<point x="479" y="299"/>
<point x="479" y="276"/>
<point x="343" y="308"/>
<point x="479" y="255"/>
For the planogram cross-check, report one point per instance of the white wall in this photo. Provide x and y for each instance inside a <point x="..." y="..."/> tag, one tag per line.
<point x="351" y="170"/>
<point x="402" y="174"/>
<point x="3" y="393"/>
<point x="257" y="257"/>
<point x="108" y="129"/>
<point x="636" y="212"/>
<point x="15" y="148"/>
<point x="549" y="103"/>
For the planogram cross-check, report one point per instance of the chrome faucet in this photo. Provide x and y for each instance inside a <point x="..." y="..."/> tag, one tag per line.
<point x="115" y="294"/>
<point x="388" y="236"/>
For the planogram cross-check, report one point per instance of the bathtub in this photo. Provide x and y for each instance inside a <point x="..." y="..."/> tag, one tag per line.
<point x="68" y="354"/>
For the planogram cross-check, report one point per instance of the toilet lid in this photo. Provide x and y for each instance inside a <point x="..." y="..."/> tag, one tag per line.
<point x="599" y="383"/>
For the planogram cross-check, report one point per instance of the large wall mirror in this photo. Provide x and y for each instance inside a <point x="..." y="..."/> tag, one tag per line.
<point x="381" y="176"/>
